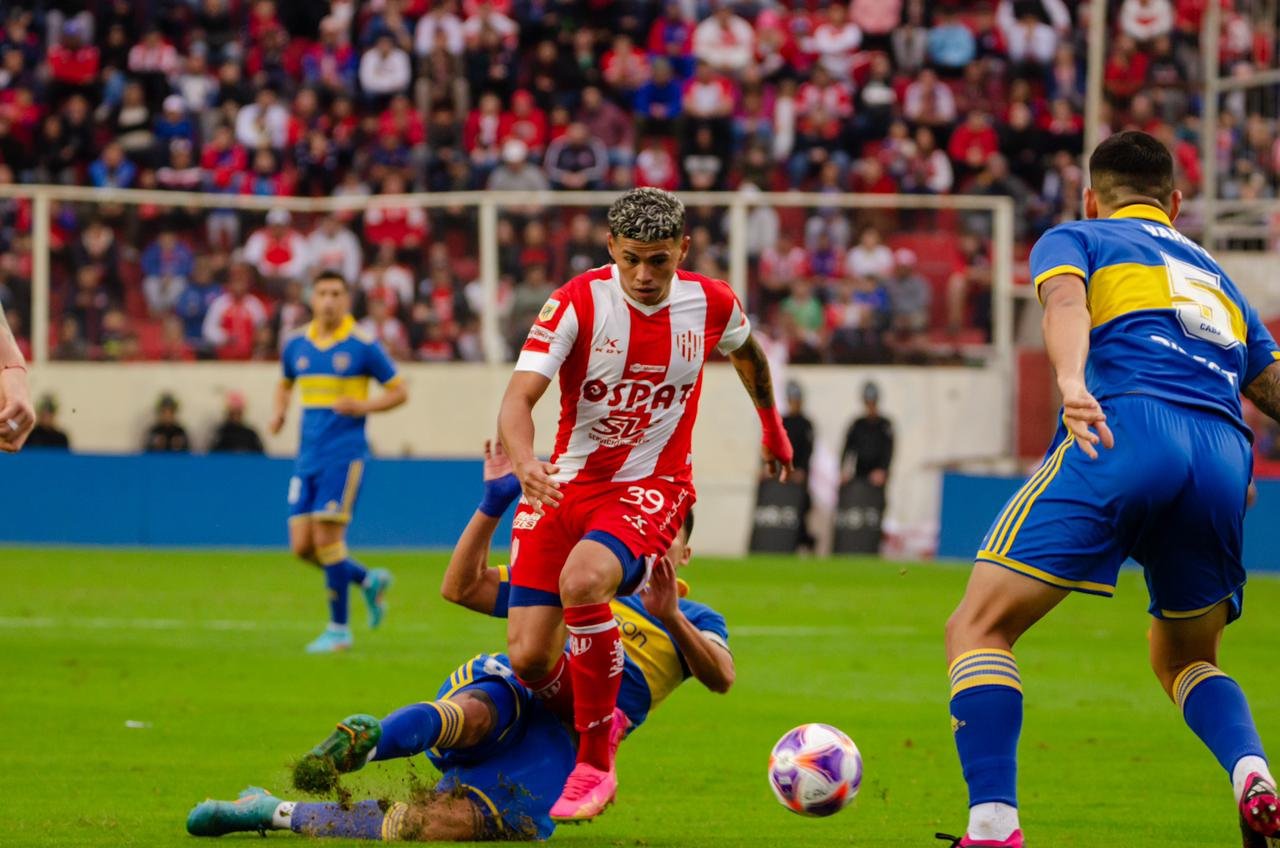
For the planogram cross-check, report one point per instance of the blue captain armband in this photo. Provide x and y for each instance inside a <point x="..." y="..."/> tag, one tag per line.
<point x="499" y="495"/>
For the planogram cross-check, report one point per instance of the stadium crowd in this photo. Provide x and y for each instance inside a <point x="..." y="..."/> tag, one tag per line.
<point x="256" y="97"/>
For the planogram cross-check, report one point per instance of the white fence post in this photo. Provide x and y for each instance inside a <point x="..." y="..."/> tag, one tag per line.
<point x="738" y="246"/>
<point x="40" y="307"/>
<point x="490" y="328"/>
<point x="1002" y="311"/>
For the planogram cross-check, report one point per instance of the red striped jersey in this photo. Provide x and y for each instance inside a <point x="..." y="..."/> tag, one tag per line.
<point x="630" y="374"/>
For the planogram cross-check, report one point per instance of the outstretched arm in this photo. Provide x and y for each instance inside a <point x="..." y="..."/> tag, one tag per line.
<point x="1264" y="391"/>
<point x="17" y="417"/>
<point x="469" y="581"/>
<point x="710" y="661"/>
<point x="394" y="394"/>
<point x="753" y="369"/>
<point x="280" y="406"/>
<point x="1066" y="337"/>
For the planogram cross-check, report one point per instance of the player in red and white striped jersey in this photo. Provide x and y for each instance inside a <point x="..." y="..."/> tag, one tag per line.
<point x="628" y="341"/>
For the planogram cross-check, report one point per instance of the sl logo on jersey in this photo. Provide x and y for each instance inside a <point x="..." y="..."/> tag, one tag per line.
<point x="525" y="521"/>
<point x="341" y="361"/>
<point x="689" y="343"/>
<point x="549" y="310"/>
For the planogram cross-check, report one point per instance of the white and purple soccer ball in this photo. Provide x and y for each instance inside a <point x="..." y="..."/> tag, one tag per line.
<point x="815" y="770"/>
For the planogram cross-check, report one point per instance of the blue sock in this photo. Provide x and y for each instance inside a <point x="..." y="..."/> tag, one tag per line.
<point x="1215" y="709"/>
<point x="335" y="577"/>
<point x="986" y="718"/>
<point x="419" y="727"/>
<point x="365" y="820"/>
<point x="356" y="573"/>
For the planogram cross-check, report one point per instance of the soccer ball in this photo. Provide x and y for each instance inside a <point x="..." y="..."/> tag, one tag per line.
<point x="815" y="770"/>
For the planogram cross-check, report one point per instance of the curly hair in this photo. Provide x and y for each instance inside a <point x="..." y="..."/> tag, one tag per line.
<point x="647" y="214"/>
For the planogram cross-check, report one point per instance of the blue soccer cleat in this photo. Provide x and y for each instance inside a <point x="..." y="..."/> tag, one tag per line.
<point x="331" y="642"/>
<point x="374" y="588"/>
<point x="251" y="811"/>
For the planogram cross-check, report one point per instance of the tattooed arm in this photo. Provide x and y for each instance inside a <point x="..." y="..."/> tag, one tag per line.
<point x="753" y="369"/>
<point x="1264" y="391"/>
<point x="17" y="418"/>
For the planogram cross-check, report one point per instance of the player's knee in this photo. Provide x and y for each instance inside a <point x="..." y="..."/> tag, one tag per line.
<point x="478" y="718"/>
<point x="529" y="661"/>
<point x="303" y="549"/>
<point x="589" y="582"/>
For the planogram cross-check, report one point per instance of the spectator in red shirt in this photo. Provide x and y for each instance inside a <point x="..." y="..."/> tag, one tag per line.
<point x="1126" y="71"/>
<point x="278" y="251"/>
<point x="655" y="166"/>
<point x="528" y="124"/>
<point x="403" y="227"/>
<point x="73" y="65"/>
<point x="826" y="92"/>
<point x="671" y="37"/>
<point x="972" y="142"/>
<point x="234" y="317"/>
<point x="625" y="67"/>
<point x="482" y="135"/>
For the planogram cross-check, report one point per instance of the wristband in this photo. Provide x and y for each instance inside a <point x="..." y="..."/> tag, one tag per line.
<point x="499" y="495"/>
<point x="774" y="435"/>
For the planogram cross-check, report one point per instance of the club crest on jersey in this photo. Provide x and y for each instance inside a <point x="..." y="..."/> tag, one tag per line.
<point x="549" y="310"/>
<point x="689" y="343"/>
<point x="301" y="363"/>
<point x="341" y="361"/>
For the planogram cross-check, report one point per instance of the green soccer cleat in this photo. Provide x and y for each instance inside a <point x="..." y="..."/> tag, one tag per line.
<point x="374" y="588"/>
<point x="251" y="811"/>
<point x="348" y="747"/>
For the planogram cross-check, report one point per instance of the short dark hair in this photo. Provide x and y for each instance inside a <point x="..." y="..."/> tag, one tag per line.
<point x="1132" y="164"/>
<point x="330" y="274"/>
<point x="687" y="527"/>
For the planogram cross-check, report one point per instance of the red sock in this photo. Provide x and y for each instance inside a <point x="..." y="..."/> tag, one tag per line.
<point x="595" y="665"/>
<point x="555" y="690"/>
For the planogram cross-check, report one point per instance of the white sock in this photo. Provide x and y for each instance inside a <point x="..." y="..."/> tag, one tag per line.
<point x="992" y="821"/>
<point x="282" y="816"/>
<point x="1244" y="767"/>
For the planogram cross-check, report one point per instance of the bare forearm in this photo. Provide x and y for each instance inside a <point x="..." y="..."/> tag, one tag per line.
<point x="515" y="428"/>
<point x="469" y="581"/>
<point x="1264" y="391"/>
<point x="280" y="404"/>
<point x="711" y="664"/>
<point x="391" y="398"/>
<point x="10" y="353"/>
<point x="753" y="370"/>
<point x="1066" y="333"/>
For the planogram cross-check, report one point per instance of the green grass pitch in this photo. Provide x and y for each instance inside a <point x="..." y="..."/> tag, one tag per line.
<point x="133" y="684"/>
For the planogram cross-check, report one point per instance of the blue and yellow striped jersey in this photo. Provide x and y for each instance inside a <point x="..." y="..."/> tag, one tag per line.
<point x="1167" y="322"/>
<point x="326" y="369"/>
<point x="655" y="667"/>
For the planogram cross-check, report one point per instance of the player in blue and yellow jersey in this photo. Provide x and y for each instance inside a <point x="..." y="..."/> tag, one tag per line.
<point x="502" y="753"/>
<point x="1152" y="346"/>
<point x="332" y="362"/>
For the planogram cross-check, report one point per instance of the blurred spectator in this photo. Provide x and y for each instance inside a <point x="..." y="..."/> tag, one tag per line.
<point x="382" y="324"/>
<point x="625" y="67"/>
<point x="1146" y="20"/>
<point x="166" y="265"/>
<point x="835" y="40"/>
<point x="290" y="315"/>
<point x="969" y="287"/>
<point x="167" y="435"/>
<point x="724" y="41"/>
<point x="333" y="247"/>
<point x="800" y="431"/>
<point x="909" y="295"/>
<point x="516" y="174"/>
<point x="181" y="173"/>
<point x="73" y="64"/>
<point x="1126" y="71"/>
<point x="439" y="26"/>
<point x="47" y="434"/>
<point x="659" y="101"/>
<point x="877" y="20"/>
<point x="277" y="251"/>
<point x="576" y="160"/>
<point x="173" y="124"/>
<point x="330" y="64"/>
<point x="173" y="345"/>
<point x="71" y="344"/>
<point x="384" y="71"/>
<point x="1028" y="39"/>
<point x="263" y="122"/>
<point x="153" y="61"/>
<point x="868" y="445"/>
<point x="387" y="280"/>
<point x="233" y="435"/>
<point x="927" y="102"/>
<point x="606" y="122"/>
<point x="194" y="302"/>
<point x="112" y="169"/>
<point x="856" y="319"/>
<point x="951" y="45"/>
<point x="234" y="317"/>
<point x="485" y="129"/>
<point x="709" y="94"/>
<point x="402" y="227"/>
<point x="870" y="257"/>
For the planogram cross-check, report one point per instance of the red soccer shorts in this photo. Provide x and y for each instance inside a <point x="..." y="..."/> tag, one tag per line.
<point x="644" y="515"/>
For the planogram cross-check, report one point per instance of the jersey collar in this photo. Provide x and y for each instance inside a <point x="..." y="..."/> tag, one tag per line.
<point x="339" y="335"/>
<point x="1145" y="211"/>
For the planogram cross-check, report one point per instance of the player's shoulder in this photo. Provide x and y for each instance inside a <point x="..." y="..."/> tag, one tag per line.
<point x="580" y="285"/>
<point x="698" y="612"/>
<point x="714" y="288"/>
<point x="295" y="337"/>
<point x="363" y="336"/>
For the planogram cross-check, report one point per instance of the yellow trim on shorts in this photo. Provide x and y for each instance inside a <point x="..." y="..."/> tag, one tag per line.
<point x="1044" y="576"/>
<point x="1002" y="540"/>
<point x="504" y="574"/>
<point x="1196" y="613"/>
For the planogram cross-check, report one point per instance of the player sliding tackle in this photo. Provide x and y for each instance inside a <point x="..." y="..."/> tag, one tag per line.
<point x="1151" y="344"/>
<point x="628" y="341"/>
<point x="503" y="755"/>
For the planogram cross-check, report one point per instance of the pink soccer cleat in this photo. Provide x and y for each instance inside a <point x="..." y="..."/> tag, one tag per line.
<point x="587" y="793"/>
<point x="1260" y="805"/>
<point x="1014" y="841"/>
<point x="618" y="730"/>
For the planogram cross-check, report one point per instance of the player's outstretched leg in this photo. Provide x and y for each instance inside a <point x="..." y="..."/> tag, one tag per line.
<point x="258" y="810"/>
<point x="596" y="659"/>
<point x="986" y="695"/>
<point x="1184" y="657"/>
<point x="253" y="810"/>
<point x="374" y="585"/>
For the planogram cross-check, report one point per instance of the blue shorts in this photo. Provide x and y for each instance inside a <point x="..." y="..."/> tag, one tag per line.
<point x="1170" y="494"/>
<point x="327" y="495"/>
<point x="518" y="772"/>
